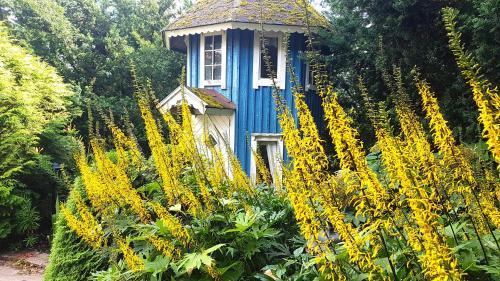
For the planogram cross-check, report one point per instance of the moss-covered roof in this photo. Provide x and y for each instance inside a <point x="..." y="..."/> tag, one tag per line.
<point x="212" y="98"/>
<point x="273" y="12"/>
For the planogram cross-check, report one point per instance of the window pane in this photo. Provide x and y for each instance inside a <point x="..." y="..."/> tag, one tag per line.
<point x="217" y="42"/>
<point x="208" y="72"/>
<point x="209" y="43"/>
<point x="208" y="57"/>
<point x="217" y="72"/>
<point x="217" y="57"/>
<point x="311" y="77"/>
<point x="271" y="45"/>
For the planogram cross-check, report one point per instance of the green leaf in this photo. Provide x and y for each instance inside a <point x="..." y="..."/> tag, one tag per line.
<point x="176" y="208"/>
<point x="213" y="249"/>
<point x="158" y="265"/>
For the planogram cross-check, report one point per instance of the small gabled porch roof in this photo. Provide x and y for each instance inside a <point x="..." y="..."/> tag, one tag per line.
<point x="202" y="101"/>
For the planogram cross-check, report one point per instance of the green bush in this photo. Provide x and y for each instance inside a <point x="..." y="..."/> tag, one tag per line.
<point x="35" y="110"/>
<point x="71" y="259"/>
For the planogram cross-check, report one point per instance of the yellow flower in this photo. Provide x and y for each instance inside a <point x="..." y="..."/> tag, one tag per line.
<point x="172" y="223"/>
<point x="126" y="147"/>
<point x="463" y="181"/>
<point x="169" y="173"/>
<point x="117" y="182"/>
<point x="133" y="261"/>
<point x="485" y="95"/>
<point x="87" y="226"/>
<point x="164" y="246"/>
<point x="263" y="175"/>
<point x="437" y="259"/>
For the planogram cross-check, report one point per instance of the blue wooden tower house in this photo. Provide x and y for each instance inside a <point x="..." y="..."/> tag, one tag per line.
<point x="228" y="86"/>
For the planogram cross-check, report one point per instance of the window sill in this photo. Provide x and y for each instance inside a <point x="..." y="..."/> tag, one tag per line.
<point x="265" y="82"/>
<point x="212" y="82"/>
<point x="310" y="88"/>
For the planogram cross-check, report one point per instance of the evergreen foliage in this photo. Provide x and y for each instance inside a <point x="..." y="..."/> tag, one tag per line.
<point x="70" y="258"/>
<point x="35" y="110"/>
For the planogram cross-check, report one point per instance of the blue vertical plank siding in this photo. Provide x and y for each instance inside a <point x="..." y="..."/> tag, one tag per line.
<point x="256" y="111"/>
<point x="194" y="60"/>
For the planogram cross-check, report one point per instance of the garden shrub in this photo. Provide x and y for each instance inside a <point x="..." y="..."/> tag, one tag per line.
<point x="71" y="259"/>
<point x="35" y="110"/>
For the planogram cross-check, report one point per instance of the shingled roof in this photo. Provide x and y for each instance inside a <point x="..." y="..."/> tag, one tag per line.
<point x="268" y="12"/>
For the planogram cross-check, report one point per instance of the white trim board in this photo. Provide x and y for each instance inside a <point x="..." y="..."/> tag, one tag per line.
<point x="233" y="25"/>
<point x="281" y="67"/>
<point x="222" y="82"/>
<point x="276" y="159"/>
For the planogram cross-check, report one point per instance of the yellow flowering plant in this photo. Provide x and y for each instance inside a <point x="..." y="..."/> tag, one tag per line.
<point x="190" y="212"/>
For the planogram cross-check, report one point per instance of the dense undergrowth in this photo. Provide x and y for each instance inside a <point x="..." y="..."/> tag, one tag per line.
<point x="420" y="207"/>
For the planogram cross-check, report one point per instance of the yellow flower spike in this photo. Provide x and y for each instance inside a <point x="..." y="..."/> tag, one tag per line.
<point x="312" y="150"/>
<point x="329" y="270"/>
<point x="240" y="181"/>
<point x="463" y="175"/>
<point x="163" y="245"/>
<point x="205" y="194"/>
<point x="172" y="223"/>
<point x="307" y="179"/>
<point x="263" y="175"/>
<point x="178" y="156"/>
<point x="97" y="192"/>
<point x="417" y="143"/>
<point x="215" y="170"/>
<point x="352" y="242"/>
<point x="371" y="198"/>
<point x="183" y="153"/>
<point x="126" y="148"/>
<point x="437" y="259"/>
<point x="444" y="139"/>
<point x="159" y="152"/>
<point x="173" y="189"/>
<point x="117" y="181"/>
<point x="351" y="155"/>
<point x="487" y="202"/>
<point x="133" y="261"/>
<point x="485" y="95"/>
<point x="87" y="226"/>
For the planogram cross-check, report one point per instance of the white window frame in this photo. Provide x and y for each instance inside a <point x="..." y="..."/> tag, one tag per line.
<point x="309" y="86"/>
<point x="263" y="137"/>
<point x="281" y="67"/>
<point x="222" y="81"/>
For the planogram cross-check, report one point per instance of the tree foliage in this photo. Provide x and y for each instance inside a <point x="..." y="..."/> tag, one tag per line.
<point x="410" y="33"/>
<point x="35" y="110"/>
<point x="93" y="44"/>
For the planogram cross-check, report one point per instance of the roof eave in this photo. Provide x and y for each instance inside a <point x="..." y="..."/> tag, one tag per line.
<point x="169" y="33"/>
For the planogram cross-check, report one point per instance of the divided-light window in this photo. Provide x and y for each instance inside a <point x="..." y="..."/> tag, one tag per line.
<point x="268" y="49"/>
<point x="269" y="45"/>
<point x="213" y="57"/>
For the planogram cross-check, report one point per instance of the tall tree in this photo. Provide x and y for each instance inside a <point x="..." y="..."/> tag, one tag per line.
<point x="95" y="43"/>
<point x="412" y="34"/>
<point x="36" y="108"/>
